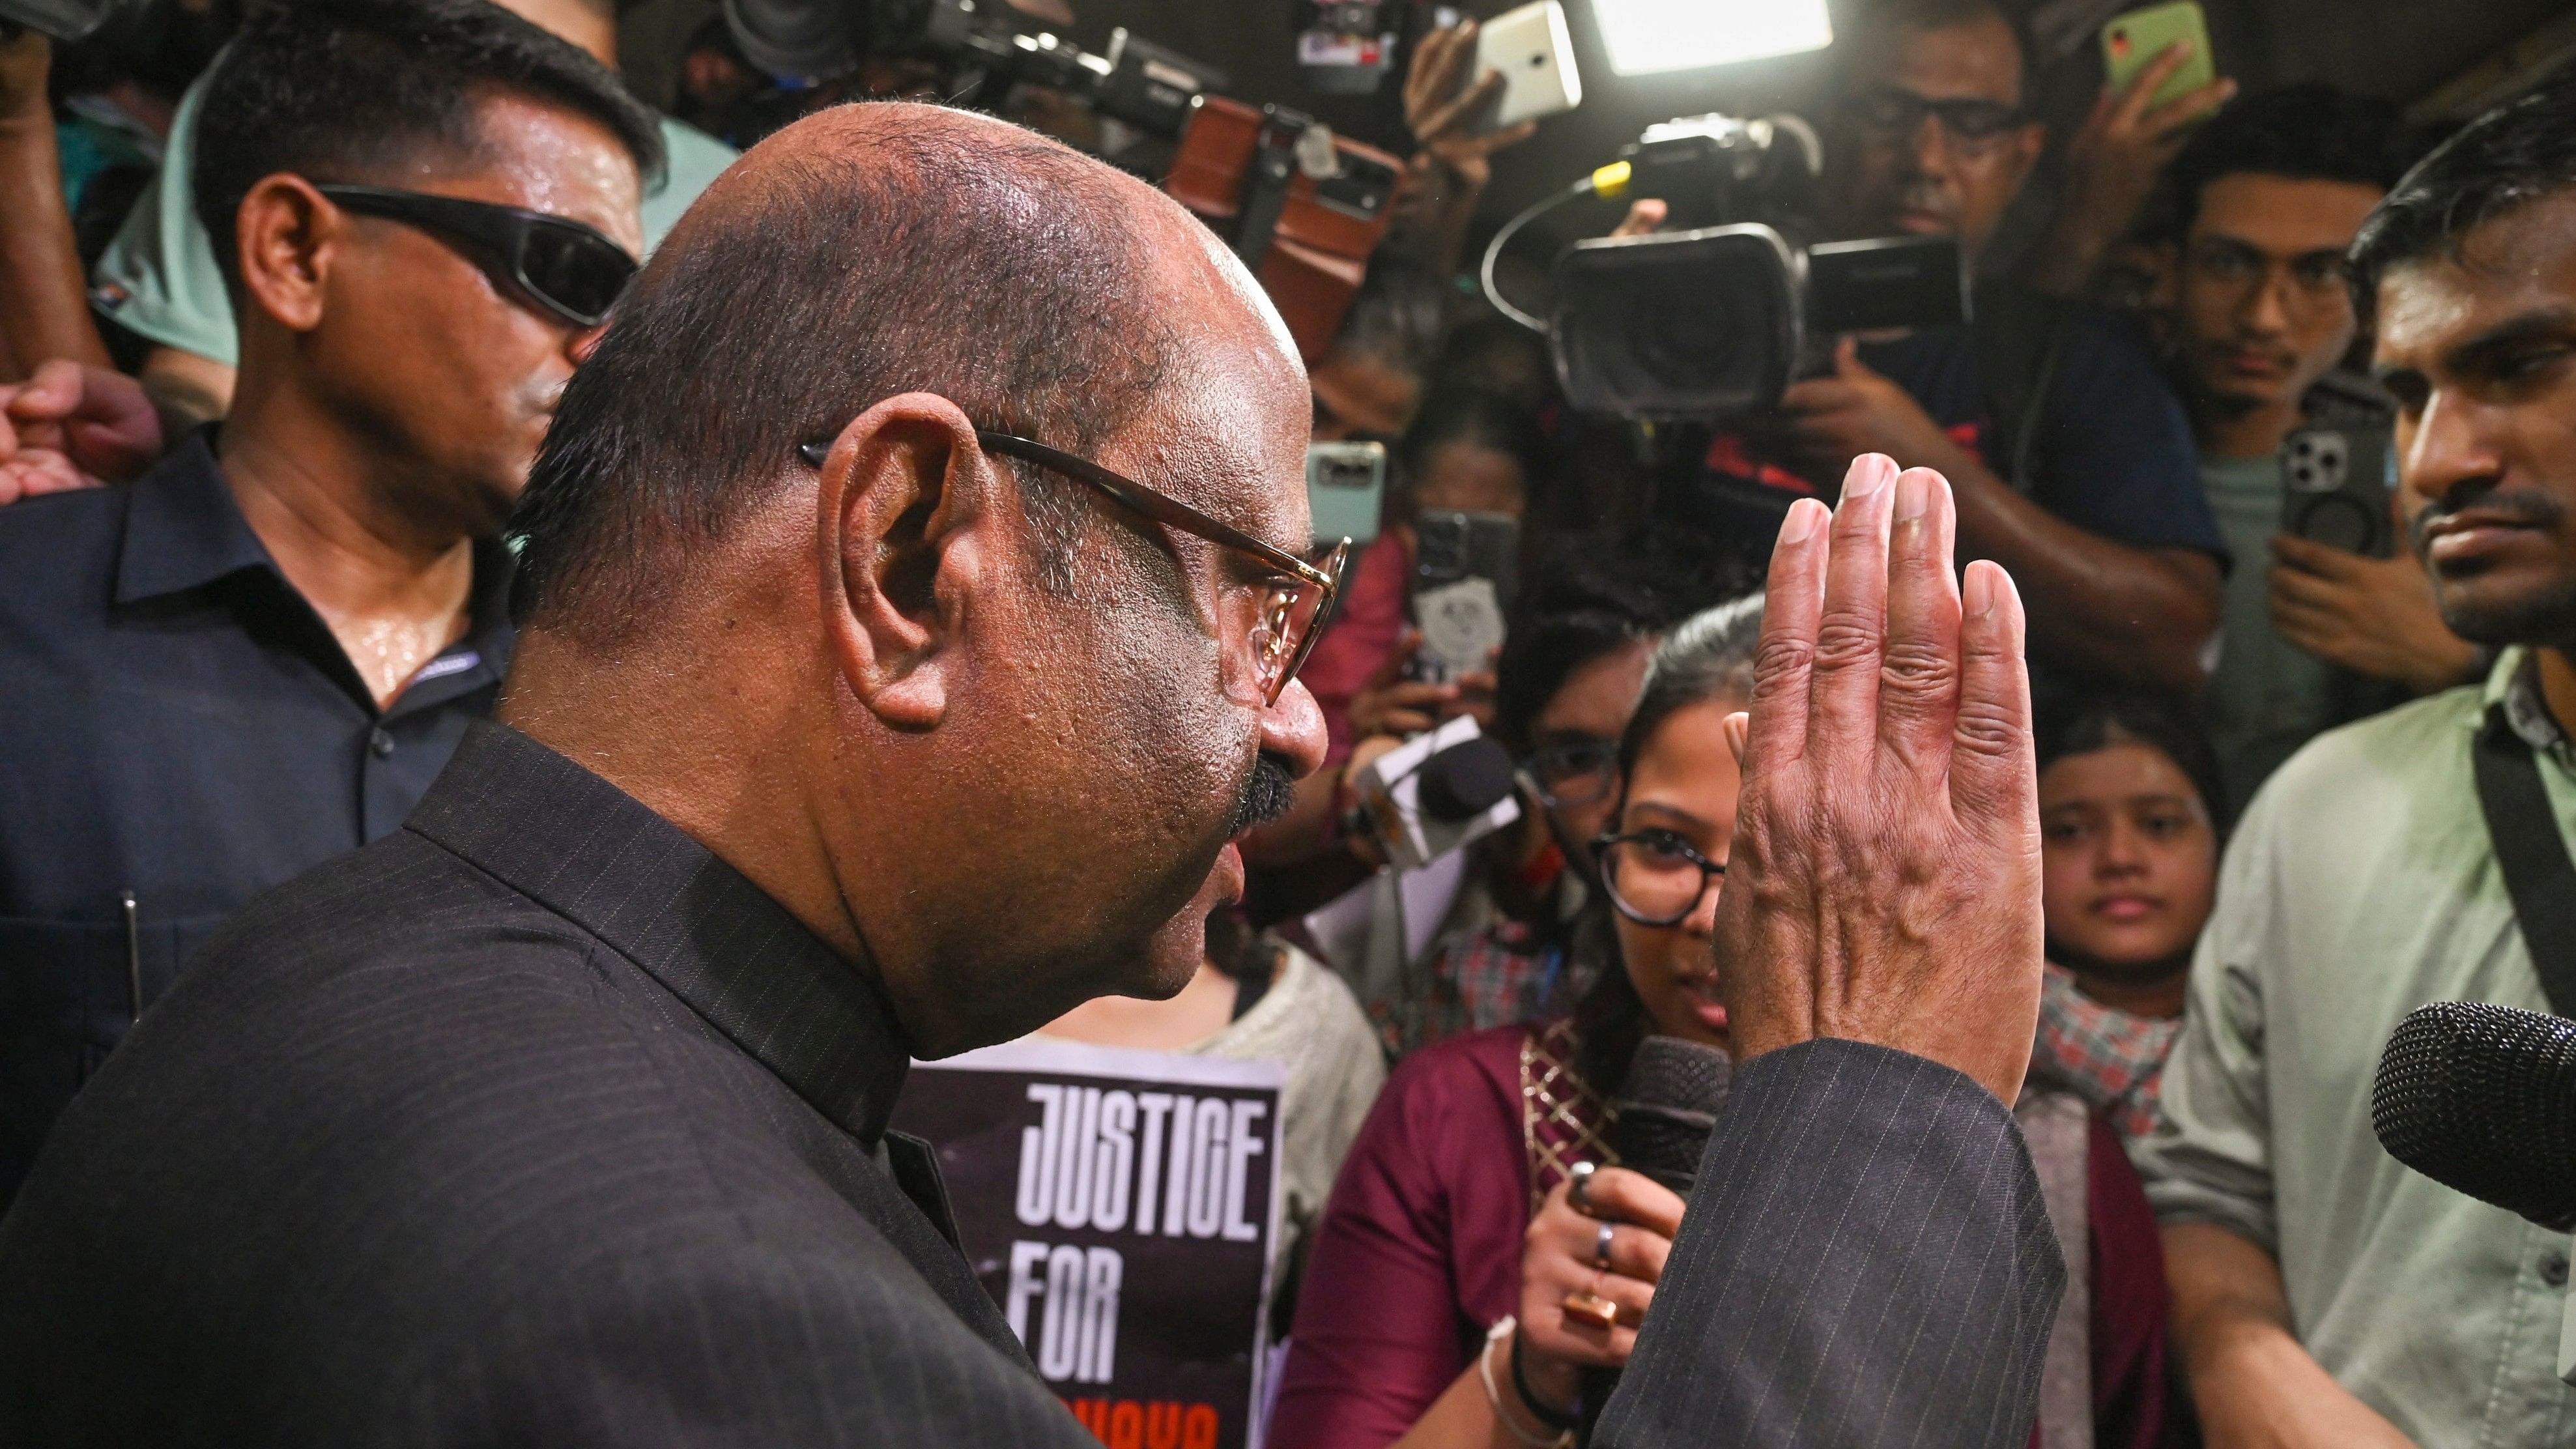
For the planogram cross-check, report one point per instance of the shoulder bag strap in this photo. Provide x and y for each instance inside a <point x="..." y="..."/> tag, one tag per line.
<point x="2532" y="854"/>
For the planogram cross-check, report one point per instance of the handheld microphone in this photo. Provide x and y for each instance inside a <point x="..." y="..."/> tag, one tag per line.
<point x="1667" y="1107"/>
<point x="2482" y="1098"/>
<point x="1665" y="1110"/>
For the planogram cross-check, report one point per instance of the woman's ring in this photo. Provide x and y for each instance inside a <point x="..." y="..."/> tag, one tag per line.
<point x="1593" y="1309"/>
<point x="1601" y="1247"/>
<point x="1578" y="1186"/>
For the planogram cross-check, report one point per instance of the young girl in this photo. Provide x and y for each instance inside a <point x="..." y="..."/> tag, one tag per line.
<point x="2128" y="805"/>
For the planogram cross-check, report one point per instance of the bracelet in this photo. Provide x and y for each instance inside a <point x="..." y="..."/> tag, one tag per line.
<point x="1540" y="1409"/>
<point x="1494" y="1395"/>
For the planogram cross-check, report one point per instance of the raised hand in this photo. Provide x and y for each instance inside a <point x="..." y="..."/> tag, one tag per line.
<point x="1884" y="884"/>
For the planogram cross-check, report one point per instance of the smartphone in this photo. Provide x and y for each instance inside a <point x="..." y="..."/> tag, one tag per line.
<point x="1534" y="50"/>
<point x="1464" y="569"/>
<point x="2131" y="43"/>
<point x="2338" y="481"/>
<point x="1345" y="490"/>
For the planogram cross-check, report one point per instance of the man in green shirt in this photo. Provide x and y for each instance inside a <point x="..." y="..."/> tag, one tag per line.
<point x="159" y="279"/>
<point x="2324" y="1294"/>
<point x="2270" y="194"/>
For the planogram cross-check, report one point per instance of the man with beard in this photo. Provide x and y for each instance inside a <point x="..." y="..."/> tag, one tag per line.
<point x="2324" y="1294"/>
<point x="913" y="599"/>
<point x="261" y="653"/>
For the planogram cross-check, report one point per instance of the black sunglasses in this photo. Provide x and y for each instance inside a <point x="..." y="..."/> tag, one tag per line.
<point x="569" y="269"/>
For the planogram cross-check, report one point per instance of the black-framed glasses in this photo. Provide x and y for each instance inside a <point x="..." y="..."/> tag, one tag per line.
<point x="1575" y="772"/>
<point x="571" y="270"/>
<point x="1654" y="877"/>
<point x="1293" y="610"/>
<point x="1894" y="113"/>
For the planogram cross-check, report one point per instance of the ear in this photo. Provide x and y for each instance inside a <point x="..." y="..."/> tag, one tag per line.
<point x="899" y="488"/>
<point x="288" y="235"/>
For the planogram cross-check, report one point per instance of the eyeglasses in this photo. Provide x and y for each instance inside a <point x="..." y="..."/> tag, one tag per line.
<point x="1294" y="606"/>
<point x="1574" y="772"/>
<point x="570" y="269"/>
<point x="1974" y="126"/>
<point x="1654" y="877"/>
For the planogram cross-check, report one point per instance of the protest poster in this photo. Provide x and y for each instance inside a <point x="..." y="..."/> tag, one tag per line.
<point x="1119" y="1206"/>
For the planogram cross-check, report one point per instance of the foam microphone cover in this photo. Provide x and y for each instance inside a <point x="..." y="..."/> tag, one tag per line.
<point x="1465" y="780"/>
<point x="1667" y="1107"/>
<point x="2482" y="1099"/>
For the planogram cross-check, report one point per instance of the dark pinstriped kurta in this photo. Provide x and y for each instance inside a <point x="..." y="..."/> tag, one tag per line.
<point x="535" y="1123"/>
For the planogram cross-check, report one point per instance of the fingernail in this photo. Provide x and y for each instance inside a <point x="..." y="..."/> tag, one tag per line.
<point x="1913" y="495"/>
<point x="1978" y="595"/>
<point x="1869" y="473"/>
<point x="1800" y="525"/>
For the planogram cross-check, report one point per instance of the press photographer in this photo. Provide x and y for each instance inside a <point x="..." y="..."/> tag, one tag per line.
<point x="2072" y="459"/>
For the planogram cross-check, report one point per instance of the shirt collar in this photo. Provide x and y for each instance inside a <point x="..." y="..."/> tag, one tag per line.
<point x="182" y="527"/>
<point x="2514" y="683"/>
<point x="595" y="855"/>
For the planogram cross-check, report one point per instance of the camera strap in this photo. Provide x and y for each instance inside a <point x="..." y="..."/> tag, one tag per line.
<point x="2531" y="852"/>
<point x="2017" y="333"/>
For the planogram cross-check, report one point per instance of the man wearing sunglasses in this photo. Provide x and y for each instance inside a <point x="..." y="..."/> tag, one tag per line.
<point x="2072" y="458"/>
<point x="259" y="654"/>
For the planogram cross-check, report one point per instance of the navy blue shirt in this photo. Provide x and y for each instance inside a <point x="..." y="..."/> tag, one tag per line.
<point x="177" y="723"/>
<point x="2113" y="453"/>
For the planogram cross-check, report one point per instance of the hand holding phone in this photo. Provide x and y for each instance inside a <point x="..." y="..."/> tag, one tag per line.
<point x="2172" y="40"/>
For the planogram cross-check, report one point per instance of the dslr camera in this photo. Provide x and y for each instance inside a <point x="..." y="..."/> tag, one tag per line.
<point x="1717" y="317"/>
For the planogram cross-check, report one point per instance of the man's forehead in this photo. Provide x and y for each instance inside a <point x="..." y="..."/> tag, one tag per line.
<point x="1974" y="59"/>
<point x="544" y="157"/>
<point x="2517" y="263"/>
<point x="2284" y="214"/>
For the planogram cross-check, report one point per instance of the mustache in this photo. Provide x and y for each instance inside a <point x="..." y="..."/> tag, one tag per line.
<point x="2530" y="507"/>
<point x="1266" y="795"/>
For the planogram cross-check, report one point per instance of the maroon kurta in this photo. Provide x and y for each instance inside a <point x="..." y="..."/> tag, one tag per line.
<point x="1420" y="1249"/>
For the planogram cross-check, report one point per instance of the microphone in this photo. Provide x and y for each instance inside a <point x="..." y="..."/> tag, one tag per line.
<point x="2482" y="1099"/>
<point x="1667" y="1107"/>
<point x="1435" y="793"/>
<point x="1664" y="1112"/>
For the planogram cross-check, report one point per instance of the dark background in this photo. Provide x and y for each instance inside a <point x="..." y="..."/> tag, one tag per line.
<point x="2404" y="50"/>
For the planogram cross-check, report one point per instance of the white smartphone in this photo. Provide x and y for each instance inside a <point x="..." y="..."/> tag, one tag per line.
<point x="1534" y="50"/>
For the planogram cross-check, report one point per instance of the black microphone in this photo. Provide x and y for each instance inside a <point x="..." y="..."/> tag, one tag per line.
<point x="1465" y="780"/>
<point x="1665" y="1110"/>
<point x="2482" y="1099"/>
<point x="1667" y="1107"/>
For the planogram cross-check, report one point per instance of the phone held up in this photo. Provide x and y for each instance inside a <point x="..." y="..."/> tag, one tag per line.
<point x="1464" y="570"/>
<point x="1534" y="50"/>
<point x="2131" y="43"/>
<point x="2338" y="471"/>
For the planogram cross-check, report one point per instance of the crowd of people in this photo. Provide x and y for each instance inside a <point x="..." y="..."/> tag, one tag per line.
<point x="294" y="301"/>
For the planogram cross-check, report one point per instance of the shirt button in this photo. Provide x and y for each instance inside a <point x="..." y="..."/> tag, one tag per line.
<point x="2553" y="1270"/>
<point x="383" y="745"/>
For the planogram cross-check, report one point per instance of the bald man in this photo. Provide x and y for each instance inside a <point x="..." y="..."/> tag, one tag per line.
<point x="913" y="584"/>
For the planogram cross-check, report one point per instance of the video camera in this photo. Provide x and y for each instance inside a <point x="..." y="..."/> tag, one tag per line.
<point x="1718" y="317"/>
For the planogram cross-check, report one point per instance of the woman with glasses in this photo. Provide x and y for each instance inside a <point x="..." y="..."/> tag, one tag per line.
<point x="1517" y="944"/>
<point x="1482" y="1246"/>
<point x="1456" y="1288"/>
